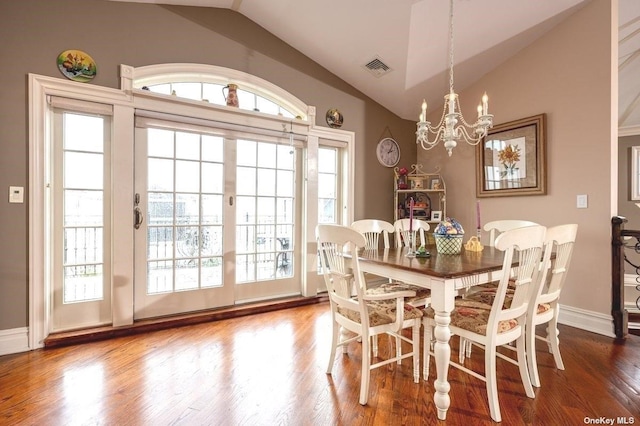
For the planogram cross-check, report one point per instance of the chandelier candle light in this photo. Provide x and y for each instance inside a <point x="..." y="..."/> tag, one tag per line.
<point x="452" y="125"/>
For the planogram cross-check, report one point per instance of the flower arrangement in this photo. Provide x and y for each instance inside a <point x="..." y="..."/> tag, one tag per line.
<point x="448" y="235"/>
<point x="402" y="177"/>
<point x="449" y="226"/>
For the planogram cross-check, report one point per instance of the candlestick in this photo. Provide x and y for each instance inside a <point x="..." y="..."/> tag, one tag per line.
<point x="478" y="223"/>
<point x="411" y="214"/>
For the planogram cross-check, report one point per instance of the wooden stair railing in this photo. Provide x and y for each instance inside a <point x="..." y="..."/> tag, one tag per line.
<point x="618" y="259"/>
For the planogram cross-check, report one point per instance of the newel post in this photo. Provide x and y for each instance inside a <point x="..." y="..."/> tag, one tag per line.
<point x="619" y="314"/>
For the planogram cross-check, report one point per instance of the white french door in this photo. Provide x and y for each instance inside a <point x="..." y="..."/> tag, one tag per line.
<point x="80" y="218"/>
<point x="215" y="218"/>
<point x="179" y="214"/>
<point x="225" y="202"/>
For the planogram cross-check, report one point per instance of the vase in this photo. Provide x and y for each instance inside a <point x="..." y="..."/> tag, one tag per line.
<point x="232" y="96"/>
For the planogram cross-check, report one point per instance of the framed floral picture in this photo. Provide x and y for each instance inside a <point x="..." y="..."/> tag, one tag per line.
<point x="511" y="159"/>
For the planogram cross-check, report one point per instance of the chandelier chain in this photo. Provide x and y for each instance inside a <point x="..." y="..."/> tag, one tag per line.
<point x="451" y="46"/>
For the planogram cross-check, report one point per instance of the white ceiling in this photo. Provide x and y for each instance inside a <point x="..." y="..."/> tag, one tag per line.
<point x="411" y="38"/>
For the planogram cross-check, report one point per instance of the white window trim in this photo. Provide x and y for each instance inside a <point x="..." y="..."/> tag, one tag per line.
<point x="202" y="73"/>
<point x="124" y="102"/>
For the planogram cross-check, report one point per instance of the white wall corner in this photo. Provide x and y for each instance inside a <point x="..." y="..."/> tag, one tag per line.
<point x="14" y="340"/>
<point x="594" y="322"/>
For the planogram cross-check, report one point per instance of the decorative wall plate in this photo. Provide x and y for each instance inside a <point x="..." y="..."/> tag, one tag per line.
<point x="77" y="65"/>
<point x="334" y="118"/>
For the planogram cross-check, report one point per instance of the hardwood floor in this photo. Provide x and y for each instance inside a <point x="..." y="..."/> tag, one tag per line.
<point x="269" y="369"/>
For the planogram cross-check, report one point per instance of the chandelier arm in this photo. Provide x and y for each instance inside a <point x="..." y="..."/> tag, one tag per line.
<point x="462" y="131"/>
<point x="423" y="138"/>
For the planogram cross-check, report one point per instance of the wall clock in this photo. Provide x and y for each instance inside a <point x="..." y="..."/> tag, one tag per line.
<point x="388" y="152"/>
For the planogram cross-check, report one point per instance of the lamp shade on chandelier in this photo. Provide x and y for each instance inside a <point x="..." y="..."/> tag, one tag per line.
<point x="452" y="126"/>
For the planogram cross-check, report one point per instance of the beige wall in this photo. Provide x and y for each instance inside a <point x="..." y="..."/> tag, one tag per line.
<point x="34" y="32"/>
<point x="567" y="75"/>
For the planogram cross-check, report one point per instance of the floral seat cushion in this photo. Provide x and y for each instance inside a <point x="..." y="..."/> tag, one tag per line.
<point x="473" y="316"/>
<point x="487" y="296"/>
<point x="421" y="292"/>
<point x="494" y="285"/>
<point x="381" y="312"/>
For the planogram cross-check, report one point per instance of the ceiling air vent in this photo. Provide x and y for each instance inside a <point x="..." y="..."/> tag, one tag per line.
<point x="377" y="67"/>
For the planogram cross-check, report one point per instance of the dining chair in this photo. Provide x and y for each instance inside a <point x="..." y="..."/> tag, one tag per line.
<point x="366" y="315"/>
<point x="374" y="232"/>
<point x="405" y="228"/>
<point x="544" y="303"/>
<point x="372" y="229"/>
<point x="545" y="307"/>
<point x="496" y="227"/>
<point x="494" y="325"/>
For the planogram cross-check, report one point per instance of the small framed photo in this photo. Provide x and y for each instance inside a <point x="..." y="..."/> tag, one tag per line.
<point x="436" y="215"/>
<point x="435" y="184"/>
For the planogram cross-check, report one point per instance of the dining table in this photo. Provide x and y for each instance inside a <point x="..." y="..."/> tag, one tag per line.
<point x="447" y="275"/>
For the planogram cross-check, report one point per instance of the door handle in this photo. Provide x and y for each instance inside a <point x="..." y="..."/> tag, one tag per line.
<point x="139" y="217"/>
<point x="137" y="212"/>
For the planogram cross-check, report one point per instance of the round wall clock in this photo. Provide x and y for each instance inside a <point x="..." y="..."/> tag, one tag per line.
<point x="388" y="152"/>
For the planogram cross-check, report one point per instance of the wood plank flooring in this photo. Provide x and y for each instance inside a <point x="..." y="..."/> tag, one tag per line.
<point x="269" y="369"/>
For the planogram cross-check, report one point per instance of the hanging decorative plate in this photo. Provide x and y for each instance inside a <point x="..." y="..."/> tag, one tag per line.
<point x="334" y="118"/>
<point x="76" y="65"/>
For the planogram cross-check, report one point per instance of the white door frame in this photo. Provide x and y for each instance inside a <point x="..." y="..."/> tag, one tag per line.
<point x="124" y="103"/>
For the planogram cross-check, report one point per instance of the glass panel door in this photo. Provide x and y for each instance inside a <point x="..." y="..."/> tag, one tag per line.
<point x="180" y="181"/>
<point x="266" y="209"/>
<point x="211" y="237"/>
<point x="81" y="218"/>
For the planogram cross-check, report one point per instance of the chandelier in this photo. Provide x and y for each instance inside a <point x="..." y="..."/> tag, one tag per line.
<point x="452" y="126"/>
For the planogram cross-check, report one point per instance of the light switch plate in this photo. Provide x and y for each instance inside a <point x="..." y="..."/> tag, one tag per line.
<point x="582" y="201"/>
<point x="16" y="194"/>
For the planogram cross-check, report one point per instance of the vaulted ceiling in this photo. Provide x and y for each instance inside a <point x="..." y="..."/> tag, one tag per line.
<point x="397" y="53"/>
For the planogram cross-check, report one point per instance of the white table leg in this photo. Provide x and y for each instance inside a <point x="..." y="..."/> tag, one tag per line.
<point x="442" y="352"/>
<point x="442" y="301"/>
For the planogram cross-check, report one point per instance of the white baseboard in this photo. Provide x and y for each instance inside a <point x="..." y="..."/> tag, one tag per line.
<point x="594" y="322"/>
<point x="14" y="340"/>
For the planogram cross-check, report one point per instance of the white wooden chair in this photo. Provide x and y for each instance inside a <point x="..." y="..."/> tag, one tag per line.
<point x="543" y="306"/>
<point x="373" y="229"/>
<point x="491" y="326"/>
<point x="494" y="228"/>
<point x="366" y="315"/>
<point x="402" y="233"/>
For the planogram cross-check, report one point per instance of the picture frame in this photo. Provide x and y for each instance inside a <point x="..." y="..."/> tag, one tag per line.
<point x="435" y="184"/>
<point x="511" y="159"/>
<point x="436" y="215"/>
